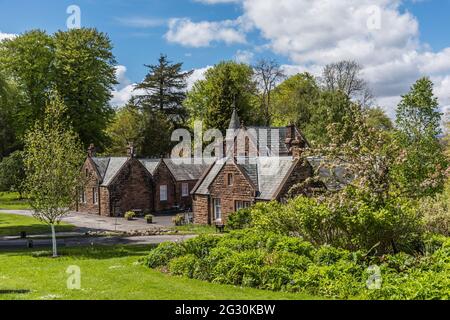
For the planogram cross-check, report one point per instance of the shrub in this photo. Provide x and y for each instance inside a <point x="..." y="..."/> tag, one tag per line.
<point x="274" y="278"/>
<point x="178" y="220"/>
<point x="327" y="256"/>
<point x="129" y="215"/>
<point x="162" y="254"/>
<point x="183" y="266"/>
<point x="241" y="219"/>
<point x="436" y="213"/>
<point x="294" y="245"/>
<point x="289" y="261"/>
<point x="201" y="245"/>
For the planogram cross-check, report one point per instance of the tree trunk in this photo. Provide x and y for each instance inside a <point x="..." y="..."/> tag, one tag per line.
<point x="55" y="252"/>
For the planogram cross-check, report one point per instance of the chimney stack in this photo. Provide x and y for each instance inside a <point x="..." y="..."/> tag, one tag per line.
<point x="91" y="151"/>
<point x="130" y="150"/>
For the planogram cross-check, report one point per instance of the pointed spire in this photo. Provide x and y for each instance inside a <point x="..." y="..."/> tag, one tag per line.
<point x="235" y="122"/>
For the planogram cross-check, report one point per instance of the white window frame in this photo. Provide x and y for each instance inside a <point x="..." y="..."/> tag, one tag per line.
<point x="185" y="189"/>
<point x="83" y="196"/>
<point x="95" y="195"/>
<point x="217" y="203"/>
<point x="163" y="192"/>
<point x="240" y="204"/>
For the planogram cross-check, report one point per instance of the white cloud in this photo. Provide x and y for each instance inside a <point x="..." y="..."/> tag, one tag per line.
<point x="198" y="74"/>
<point x="376" y="33"/>
<point x="201" y="34"/>
<point x="5" y="36"/>
<point x="244" y="56"/>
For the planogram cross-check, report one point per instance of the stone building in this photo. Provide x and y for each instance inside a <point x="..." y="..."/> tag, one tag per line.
<point x="262" y="164"/>
<point x="115" y="185"/>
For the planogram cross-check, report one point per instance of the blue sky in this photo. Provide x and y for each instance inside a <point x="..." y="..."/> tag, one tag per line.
<point x="303" y="35"/>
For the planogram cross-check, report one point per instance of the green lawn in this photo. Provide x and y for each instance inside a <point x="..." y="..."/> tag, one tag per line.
<point x="195" y="229"/>
<point x="12" y="225"/>
<point x="12" y="201"/>
<point x="109" y="273"/>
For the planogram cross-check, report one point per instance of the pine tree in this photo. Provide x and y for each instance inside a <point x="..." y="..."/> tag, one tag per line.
<point x="165" y="90"/>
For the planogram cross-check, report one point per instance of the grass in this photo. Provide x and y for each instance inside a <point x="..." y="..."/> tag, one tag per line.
<point x="109" y="273"/>
<point x="12" y="201"/>
<point x="12" y="225"/>
<point x="195" y="229"/>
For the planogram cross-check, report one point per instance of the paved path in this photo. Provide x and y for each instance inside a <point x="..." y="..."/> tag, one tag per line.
<point x="90" y="222"/>
<point x="86" y="222"/>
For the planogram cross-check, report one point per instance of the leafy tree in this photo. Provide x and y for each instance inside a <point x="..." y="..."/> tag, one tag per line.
<point x="226" y="86"/>
<point x="267" y="73"/>
<point x="84" y="72"/>
<point x="331" y="110"/>
<point x="28" y="59"/>
<point x="127" y="127"/>
<point x="12" y="173"/>
<point x="294" y="100"/>
<point x="52" y="160"/>
<point x="423" y="163"/>
<point x="165" y="90"/>
<point x="79" y="63"/>
<point x="377" y="118"/>
<point x="8" y="95"/>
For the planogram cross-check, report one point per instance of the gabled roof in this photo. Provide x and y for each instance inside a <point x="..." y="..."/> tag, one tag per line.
<point x="267" y="174"/>
<point x="150" y="164"/>
<point x="186" y="171"/>
<point x="109" y="167"/>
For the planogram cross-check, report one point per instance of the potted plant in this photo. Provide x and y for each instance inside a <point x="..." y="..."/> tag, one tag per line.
<point x="178" y="220"/>
<point x="130" y="215"/>
<point x="149" y="218"/>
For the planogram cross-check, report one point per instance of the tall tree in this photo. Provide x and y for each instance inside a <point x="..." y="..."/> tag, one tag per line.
<point x="423" y="164"/>
<point x="28" y="59"/>
<point x="226" y="86"/>
<point x="127" y="127"/>
<point x="268" y="74"/>
<point x="345" y="76"/>
<point x="52" y="160"/>
<point x="377" y="118"/>
<point x="12" y="173"/>
<point x="165" y="90"/>
<point x="84" y="77"/>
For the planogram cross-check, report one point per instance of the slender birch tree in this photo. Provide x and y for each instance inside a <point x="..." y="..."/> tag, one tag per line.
<point x="52" y="162"/>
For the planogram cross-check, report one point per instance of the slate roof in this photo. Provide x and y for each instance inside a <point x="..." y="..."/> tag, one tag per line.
<point x="266" y="173"/>
<point x="108" y="167"/>
<point x="150" y="164"/>
<point x="186" y="172"/>
<point x="335" y="179"/>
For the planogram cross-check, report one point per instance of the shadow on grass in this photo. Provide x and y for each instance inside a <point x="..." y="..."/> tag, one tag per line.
<point x="14" y="291"/>
<point x="32" y="229"/>
<point x="97" y="252"/>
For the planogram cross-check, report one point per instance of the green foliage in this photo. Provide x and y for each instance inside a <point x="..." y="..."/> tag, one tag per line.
<point x="12" y="173"/>
<point x="162" y="254"/>
<point x="353" y="224"/>
<point x="130" y="215"/>
<point x="79" y="63"/>
<point x="240" y="219"/>
<point x="282" y="263"/>
<point x="436" y="212"/>
<point x="127" y="127"/>
<point x="52" y="160"/>
<point x="226" y="85"/>
<point x="423" y="164"/>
